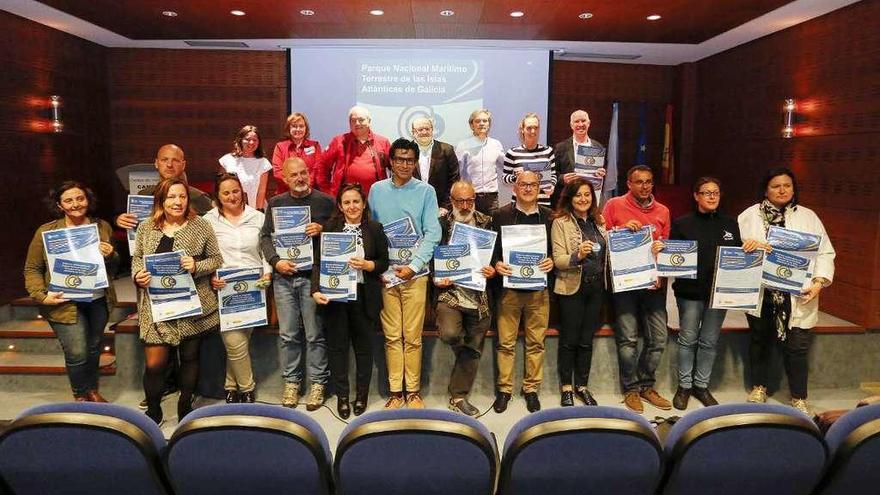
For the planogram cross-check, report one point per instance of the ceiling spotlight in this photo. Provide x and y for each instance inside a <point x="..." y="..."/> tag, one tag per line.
<point x="585" y="15"/>
<point x="653" y="17"/>
<point x="237" y="12"/>
<point x="447" y="13"/>
<point x="307" y="12"/>
<point x="169" y="13"/>
<point x="377" y="12"/>
<point x="517" y="13"/>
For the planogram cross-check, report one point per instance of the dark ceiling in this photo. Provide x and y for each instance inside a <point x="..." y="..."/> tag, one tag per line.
<point x="683" y="21"/>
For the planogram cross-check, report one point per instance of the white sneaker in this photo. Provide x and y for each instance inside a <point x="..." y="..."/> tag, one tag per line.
<point x="290" y="396"/>
<point x="758" y="394"/>
<point x="801" y="405"/>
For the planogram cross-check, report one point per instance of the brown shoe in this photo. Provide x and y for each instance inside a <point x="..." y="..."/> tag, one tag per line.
<point x="395" y="401"/>
<point x="633" y="402"/>
<point x="652" y="397"/>
<point x="414" y="401"/>
<point x="94" y="396"/>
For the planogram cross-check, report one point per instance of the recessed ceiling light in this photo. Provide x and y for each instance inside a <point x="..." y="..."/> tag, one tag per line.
<point x="307" y="12"/>
<point x="169" y="13"/>
<point x="237" y="12"/>
<point x="377" y="12"/>
<point x="585" y="15"/>
<point x="653" y="17"/>
<point x="447" y="13"/>
<point x="517" y="13"/>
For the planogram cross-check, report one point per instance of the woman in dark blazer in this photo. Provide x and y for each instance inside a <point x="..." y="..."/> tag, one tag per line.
<point x="353" y="322"/>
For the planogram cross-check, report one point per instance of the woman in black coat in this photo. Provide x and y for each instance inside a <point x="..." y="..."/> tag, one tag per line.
<point x="353" y="322"/>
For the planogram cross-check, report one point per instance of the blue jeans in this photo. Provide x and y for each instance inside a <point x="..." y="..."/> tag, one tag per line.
<point x="297" y="315"/>
<point x="700" y="329"/>
<point x="81" y="342"/>
<point x="647" y="307"/>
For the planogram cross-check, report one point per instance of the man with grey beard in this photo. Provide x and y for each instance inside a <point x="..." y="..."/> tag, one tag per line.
<point x="463" y="315"/>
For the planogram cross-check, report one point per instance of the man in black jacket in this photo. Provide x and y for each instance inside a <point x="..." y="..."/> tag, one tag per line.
<point x="438" y="165"/>
<point x="565" y="153"/>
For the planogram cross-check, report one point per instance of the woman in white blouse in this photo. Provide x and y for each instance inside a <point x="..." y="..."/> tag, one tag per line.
<point x="249" y="164"/>
<point x="237" y="226"/>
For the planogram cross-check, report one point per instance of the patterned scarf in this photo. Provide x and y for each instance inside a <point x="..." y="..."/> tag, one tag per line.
<point x="780" y="301"/>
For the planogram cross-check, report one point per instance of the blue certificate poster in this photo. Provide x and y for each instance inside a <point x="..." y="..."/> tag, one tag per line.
<point x="542" y="169"/>
<point x="678" y="259"/>
<point x="402" y="243"/>
<point x="242" y="304"/>
<point x="632" y="263"/>
<point x="172" y="291"/>
<point x="785" y="271"/>
<point x="337" y="280"/>
<point x="481" y="242"/>
<point x="291" y="242"/>
<point x="76" y="266"/>
<point x="455" y="262"/>
<point x="587" y="161"/>
<point x="737" y="283"/>
<point x="140" y="207"/>
<point x="523" y="247"/>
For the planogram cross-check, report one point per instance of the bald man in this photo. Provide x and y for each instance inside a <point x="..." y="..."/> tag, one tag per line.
<point x="438" y="165"/>
<point x="359" y="156"/>
<point x="565" y="152"/>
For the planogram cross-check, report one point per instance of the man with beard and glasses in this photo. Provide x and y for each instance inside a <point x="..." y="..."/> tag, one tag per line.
<point x="293" y="296"/>
<point x="463" y="315"/>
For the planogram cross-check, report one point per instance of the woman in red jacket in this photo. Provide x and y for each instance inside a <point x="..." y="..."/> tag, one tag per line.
<point x="296" y="129"/>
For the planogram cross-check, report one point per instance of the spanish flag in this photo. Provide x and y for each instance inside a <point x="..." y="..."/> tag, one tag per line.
<point x="668" y="163"/>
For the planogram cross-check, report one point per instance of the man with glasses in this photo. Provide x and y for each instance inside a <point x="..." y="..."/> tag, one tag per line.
<point x="403" y="311"/>
<point x="359" y="156"/>
<point x="463" y="315"/>
<point x="632" y="211"/>
<point x="515" y="304"/>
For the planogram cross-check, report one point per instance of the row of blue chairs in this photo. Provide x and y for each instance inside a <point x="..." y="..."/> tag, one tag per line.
<point x="93" y="448"/>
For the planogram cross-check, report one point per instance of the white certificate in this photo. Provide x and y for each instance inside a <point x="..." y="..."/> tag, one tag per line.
<point x="455" y="262"/>
<point x="678" y="259"/>
<point x="172" y="291"/>
<point x="140" y="207"/>
<point x="523" y="247"/>
<point x="632" y="263"/>
<point x="291" y="242"/>
<point x="482" y="242"/>
<point x="337" y="280"/>
<point x="241" y="303"/>
<point x="76" y="266"/>
<point x="737" y="283"/>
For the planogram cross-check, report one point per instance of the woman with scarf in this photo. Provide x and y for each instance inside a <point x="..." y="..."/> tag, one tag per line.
<point x="784" y="319"/>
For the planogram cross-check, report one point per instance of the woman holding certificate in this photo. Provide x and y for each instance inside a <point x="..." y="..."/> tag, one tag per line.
<point x="353" y="322"/>
<point x="784" y="319"/>
<point x="237" y="226"/>
<point x="700" y="324"/>
<point x="78" y="324"/>
<point x="579" y="243"/>
<point x="174" y="227"/>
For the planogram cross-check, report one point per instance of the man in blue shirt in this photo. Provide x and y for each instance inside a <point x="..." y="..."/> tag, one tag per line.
<point x="403" y="311"/>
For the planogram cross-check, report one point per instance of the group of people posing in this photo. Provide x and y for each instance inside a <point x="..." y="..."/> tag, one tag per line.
<point x="362" y="181"/>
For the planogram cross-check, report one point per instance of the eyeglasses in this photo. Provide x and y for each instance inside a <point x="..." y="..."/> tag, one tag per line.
<point x="710" y="194"/>
<point x="464" y="201"/>
<point x="642" y="183"/>
<point x="403" y="161"/>
<point x="527" y="185"/>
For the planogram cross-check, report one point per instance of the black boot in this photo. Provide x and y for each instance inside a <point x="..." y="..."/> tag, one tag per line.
<point x="681" y="398"/>
<point x="343" y="407"/>
<point x="704" y="396"/>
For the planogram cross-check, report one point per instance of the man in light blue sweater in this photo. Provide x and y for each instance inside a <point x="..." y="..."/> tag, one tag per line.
<point x="403" y="306"/>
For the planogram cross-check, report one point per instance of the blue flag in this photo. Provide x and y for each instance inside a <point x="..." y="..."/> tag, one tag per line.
<point x="642" y="149"/>
<point x="610" y="186"/>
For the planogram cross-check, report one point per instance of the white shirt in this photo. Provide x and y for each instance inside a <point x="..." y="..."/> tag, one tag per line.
<point x="480" y="161"/>
<point x="239" y="244"/>
<point x="249" y="171"/>
<point x="425" y="161"/>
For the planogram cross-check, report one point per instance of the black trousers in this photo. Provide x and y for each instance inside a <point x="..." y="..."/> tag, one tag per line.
<point x="795" y="348"/>
<point x="579" y="316"/>
<point x="187" y="375"/>
<point x="347" y="324"/>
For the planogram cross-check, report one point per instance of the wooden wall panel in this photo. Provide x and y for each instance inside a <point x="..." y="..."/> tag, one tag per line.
<point x="38" y="62"/>
<point x="829" y="65"/>
<point x="197" y="99"/>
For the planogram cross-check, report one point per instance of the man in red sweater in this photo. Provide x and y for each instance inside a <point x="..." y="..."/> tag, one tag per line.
<point x="633" y="211"/>
<point x="359" y="156"/>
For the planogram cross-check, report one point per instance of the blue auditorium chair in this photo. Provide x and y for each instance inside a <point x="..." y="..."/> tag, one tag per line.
<point x="248" y="448"/>
<point x="416" y="452"/>
<point x="581" y="450"/>
<point x="82" y="448"/>
<point x="854" y="444"/>
<point x="744" y="448"/>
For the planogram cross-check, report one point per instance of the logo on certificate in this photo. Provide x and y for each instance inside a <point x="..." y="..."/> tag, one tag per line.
<point x="527" y="271"/>
<point x="405" y="254"/>
<point x="293" y="252"/>
<point x="591" y="160"/>
<point x="452" y="264"/>
<point x="676" y="260"/>
<point x="334" y="281"/>
<point x="72" y="281"/>
<point x="240" y="286"/>
<point x="783" y="272"/>
<point x="168" y="282"/>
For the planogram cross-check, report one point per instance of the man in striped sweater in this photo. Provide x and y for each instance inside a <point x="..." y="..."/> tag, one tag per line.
<point x="531" y="156"/>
